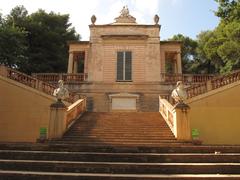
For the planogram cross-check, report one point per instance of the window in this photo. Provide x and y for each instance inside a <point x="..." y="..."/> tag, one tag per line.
<point x="124" y="66"/>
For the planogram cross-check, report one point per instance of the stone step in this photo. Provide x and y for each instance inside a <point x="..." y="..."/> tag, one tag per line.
<point x="163" y="130"/>
<point x="120" y="167"/>
<point x="16" y="175"/>
<point x="127" y="140"/>
<point x="121" y="141"/>
<point x="121" y="157"/>
<point x="132" y="132"/>
<point x="117" y="136"/>
<point x="180" y="147"/>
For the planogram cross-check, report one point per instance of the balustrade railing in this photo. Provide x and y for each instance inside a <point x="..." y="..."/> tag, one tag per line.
<point x="55" y="77"/>
<point x="31" y="82"/>
<point x="75" y="110"/>
<point x="61" y="118"/>
<point x="177" y="119"/>
<point x="214" y="83"/>
<point x="186" y="78"/>
<point x="225" y="80"/>
<point x="165" y="108"/>
<point x="195" y="90"/>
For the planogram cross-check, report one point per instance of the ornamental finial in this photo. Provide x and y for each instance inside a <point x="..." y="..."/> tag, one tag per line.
<point x="93" y="19"/>
<point x="156" y="19"/>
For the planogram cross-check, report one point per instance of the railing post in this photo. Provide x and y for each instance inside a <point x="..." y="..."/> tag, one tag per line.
<point x="181" y="119"/>
<point x="209" y="85"/>
<point x="60" y="76"/>
<point x="57" y="123"/>
<point x="3" y="71"/>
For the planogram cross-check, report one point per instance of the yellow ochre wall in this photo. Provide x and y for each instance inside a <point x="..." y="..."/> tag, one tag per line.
<point x="216" y="115"/>
<point x="23" y="111"/>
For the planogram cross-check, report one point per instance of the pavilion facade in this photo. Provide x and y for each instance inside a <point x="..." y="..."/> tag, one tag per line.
<point x="124" y="62"/>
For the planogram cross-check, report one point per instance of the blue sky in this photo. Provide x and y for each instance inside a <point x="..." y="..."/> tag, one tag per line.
<point x="188" y="17"/>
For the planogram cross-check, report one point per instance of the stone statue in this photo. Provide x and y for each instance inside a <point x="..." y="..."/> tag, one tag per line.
<point x="125" y="17"/>
<point x="179" y="94"/>
<point x="61" y="92"/>
<point x="124" y="12"/>
<point x="156" y="19"/>
<point x="93" y="19"/>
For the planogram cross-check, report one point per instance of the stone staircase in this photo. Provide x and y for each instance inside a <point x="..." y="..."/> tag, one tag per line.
<point x="137" y="146"/>
<point x="119" y="128"/>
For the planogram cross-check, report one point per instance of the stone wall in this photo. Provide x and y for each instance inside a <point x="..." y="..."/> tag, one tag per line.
<point x="98" y="94"/>
<point x="23" y="110"/>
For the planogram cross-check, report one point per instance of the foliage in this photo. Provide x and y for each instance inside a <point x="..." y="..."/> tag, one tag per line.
<point x="188" y="51"/>
<point x="228" y="10"/>
<point x="13" y="45"/>
<point x="44" y="40"/>
<point x="216" y="51"/>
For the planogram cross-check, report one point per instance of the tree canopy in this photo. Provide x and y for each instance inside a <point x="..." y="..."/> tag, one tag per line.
<point x="216" y="51"/>
<point x="35" y="42"/>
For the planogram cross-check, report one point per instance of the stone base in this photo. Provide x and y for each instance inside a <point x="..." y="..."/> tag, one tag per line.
<point x="99" y="94"/>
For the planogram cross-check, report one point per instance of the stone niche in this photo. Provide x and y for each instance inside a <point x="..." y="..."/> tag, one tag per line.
<point x="124" y="102"/>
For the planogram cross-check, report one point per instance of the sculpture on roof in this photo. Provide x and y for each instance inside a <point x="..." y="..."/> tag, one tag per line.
<point x="124" y="12"/>
<point x="125" y="17"/>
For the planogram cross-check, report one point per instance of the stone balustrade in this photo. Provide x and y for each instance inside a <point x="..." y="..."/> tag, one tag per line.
<point x="186" y="78"/>
<point x="55" y="77"/>
<point x="83" y="77"/>
<point x="31" y="82"/>
<point x="214" y="83"/>
<point x="62" y="117"/>
<point x="226" y="79"/>
<point x="75" y="110"/>
<point x="177" y="118"/>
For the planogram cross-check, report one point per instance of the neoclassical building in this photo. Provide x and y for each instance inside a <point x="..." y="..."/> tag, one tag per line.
<point x="124" y="64"/>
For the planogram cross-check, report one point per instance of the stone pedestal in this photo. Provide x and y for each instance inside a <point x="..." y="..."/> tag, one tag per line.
<point x="182" y="121"/>
<point x="57" y="123"/>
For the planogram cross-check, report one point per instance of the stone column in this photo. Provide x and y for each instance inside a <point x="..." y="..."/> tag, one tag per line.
<point x="70" y="62"/>
<point x="164" y="62"/>
<point x="3" y="71"/>
<point x="57" y="123"/>
<point x="162" y="67"/>
<point x="182" y="122"/>
<point x="75" y="66"/>
<point x="179" y="63"/>
<point x="85" y="61"/>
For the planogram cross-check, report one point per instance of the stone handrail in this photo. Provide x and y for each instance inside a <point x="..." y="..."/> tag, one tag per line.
<point x="186" y="78"/>
<point x="195" y="90"/>
<point x="177" y="119"/>
<point x="75" y="110"/>
<point x="62" y="117"/>
<point x="31" y="81"/>
<point x="225" y="80"/>
<point x="55" y="77"/>
<point x="165" y="108"/>
<point x="213" y="84"/>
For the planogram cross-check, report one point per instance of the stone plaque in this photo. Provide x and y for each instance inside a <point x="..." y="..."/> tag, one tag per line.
<point x="124" y="104"/>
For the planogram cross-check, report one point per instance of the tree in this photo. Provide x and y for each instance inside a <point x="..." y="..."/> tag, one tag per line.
<point x="202" y="64"/>
<point x="188" y="51"/>
<point x="17" y="17"/>
<point x="228" y="10"/>
<point x="219" y="50"/>
<point x="48" y="34"/>
<point x="222" y="48"/>
<point x="12" y="45"/>
<point x="36" y="42"/>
